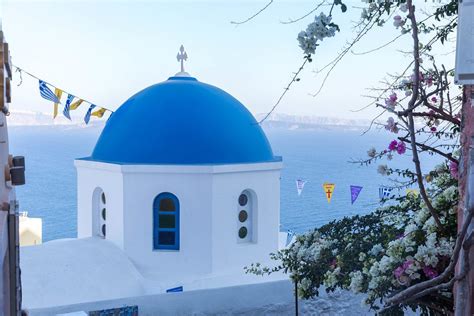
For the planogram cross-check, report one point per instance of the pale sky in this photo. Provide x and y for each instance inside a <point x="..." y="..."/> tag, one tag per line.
<point x="105" y="51"/>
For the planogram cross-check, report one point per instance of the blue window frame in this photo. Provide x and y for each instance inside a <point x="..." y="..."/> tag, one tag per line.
<point x="166" y="222"/>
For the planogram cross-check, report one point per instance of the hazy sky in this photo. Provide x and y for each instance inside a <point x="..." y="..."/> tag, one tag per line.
<point x="105" y="51"/>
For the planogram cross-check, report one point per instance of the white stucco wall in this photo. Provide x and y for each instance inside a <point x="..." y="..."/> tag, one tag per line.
<point x="208" y="197"/>
<point x="93" y="175"/>
<point x="266" y="299"/>
<point x="193" y="190"/>
<point x="227" y="252"/>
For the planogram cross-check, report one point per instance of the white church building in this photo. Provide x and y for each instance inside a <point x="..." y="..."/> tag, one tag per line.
<point x="181" y="190"/>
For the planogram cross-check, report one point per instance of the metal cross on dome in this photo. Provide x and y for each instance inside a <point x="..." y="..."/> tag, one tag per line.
<point x="182" y="56"/>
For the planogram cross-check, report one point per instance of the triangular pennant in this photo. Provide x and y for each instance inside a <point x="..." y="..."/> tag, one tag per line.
<point x="355" y="190"/>
<point x="300" y="186"/>
<point x="328" y="190"/>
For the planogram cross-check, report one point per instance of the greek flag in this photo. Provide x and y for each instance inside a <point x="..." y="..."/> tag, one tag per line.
<point x="88" y="114"/>
<point x="46" y="92"/>
<point x="70" y="97"/>
<point x="384" y="192"/>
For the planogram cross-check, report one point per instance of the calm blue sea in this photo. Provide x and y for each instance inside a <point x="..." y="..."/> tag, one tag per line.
<point x="315" y="156"/>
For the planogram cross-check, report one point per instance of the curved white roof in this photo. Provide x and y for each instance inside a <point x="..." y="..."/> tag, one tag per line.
<point x="70" y="271"/>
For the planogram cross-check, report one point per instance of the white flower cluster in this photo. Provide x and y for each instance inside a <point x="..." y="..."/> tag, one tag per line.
<point x="316" y="31"/>
<point x="404" y="260"/>
<point x="311" y="251"/>
<point x="330" y="277"/>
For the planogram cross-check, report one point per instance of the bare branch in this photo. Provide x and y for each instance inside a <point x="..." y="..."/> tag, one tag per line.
<point x="253" y="16"/>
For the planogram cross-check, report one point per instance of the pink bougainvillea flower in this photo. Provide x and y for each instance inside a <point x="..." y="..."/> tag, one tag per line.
<point x="397" y="21"/>
<point x="434" y="99"/>
<point x="398" y="272"/>
<point x="391" y="100"/>
<point x="393" y="145"/>
<point x="407" y="264"/>
<point x="391" y="125"/>
<point x="433" y="128"/>
<point x="429" y="82"/>
<point x="401" y="148"/>
<point x="430" y="272"/>
<point x="453" y="169"/>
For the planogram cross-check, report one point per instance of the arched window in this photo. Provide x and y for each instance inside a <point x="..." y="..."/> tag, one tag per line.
<point x="246" y="217"/>
<point x="166" y="222"/>
<point x="99" y="209"/>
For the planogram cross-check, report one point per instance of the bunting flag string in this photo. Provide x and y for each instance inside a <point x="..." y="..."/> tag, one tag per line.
<point x="47" y="93"/>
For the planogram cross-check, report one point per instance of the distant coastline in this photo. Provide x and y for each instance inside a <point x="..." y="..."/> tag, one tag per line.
<point x="275" y="121"/>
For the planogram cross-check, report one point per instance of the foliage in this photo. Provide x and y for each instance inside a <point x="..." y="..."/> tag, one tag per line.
<point x="380" y="253"/>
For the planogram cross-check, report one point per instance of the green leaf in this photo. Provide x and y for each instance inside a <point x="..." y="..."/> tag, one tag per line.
<point x="343" y="7"/>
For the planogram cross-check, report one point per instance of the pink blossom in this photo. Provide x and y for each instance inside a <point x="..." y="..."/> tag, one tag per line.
<point x="391" y="100"/>
<point x="393" y="145"/>
<point x="430" y="272"/>
<point x="453" y="169"/>
<point x="397" y="21"/>
<point x="429" y="82"/>
<point x="407" y="264"/>
<point x="398" y="272"/>
<point x="391" y="125"/>
<point x="434" y="99"/>
<point x="433" y="128"/>
<point x="401" y="148"/>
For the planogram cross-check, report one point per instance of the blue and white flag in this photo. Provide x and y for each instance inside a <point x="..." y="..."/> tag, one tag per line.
<point x="46" y="92"/>
<point x="384" y="192"/>
<point x="87" y="117"/>
<point x="67" y="106"/>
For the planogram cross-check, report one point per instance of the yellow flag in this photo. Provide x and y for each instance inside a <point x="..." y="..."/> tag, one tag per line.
<point x="58" y="93"/>
<point x="75" y="104"/>
<point x="328" y="190"/>
<point x="99" y="113"/>
<point x="413" y="192"/>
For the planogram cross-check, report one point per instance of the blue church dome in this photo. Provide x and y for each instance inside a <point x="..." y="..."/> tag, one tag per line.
<point x="182" y="121"/>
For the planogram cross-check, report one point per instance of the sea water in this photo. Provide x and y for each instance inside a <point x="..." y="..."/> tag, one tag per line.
<point x="316" y="156"/>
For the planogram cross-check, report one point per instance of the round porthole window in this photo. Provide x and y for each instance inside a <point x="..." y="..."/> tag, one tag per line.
<point x="243" y="216"/>
<point x="103" y="213"/>
<point x="243" y="232"/>
<point x="243" y="199"/>
<point x="103" y="197"/>
<point x="103" y="229"/>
